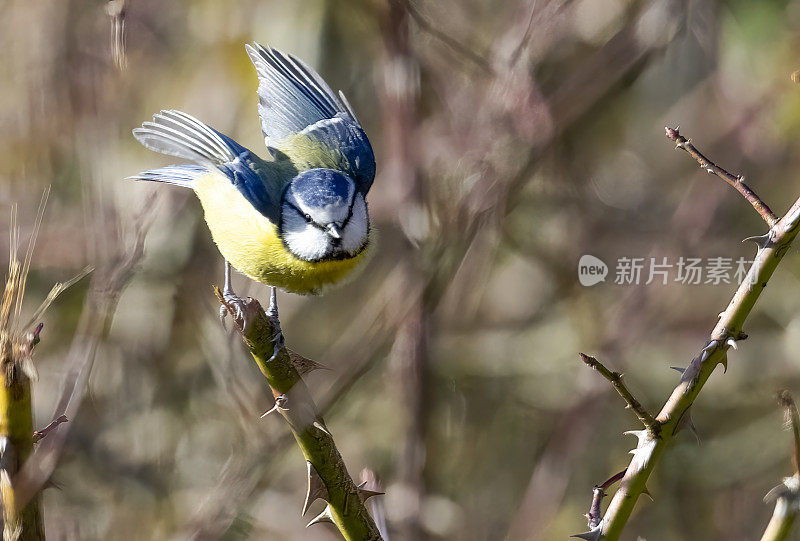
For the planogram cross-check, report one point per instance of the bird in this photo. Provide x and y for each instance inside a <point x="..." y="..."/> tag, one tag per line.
<point x="297" y="219"/>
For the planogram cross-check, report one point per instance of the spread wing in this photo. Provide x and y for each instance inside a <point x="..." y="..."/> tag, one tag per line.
<point x="178" y="134"/>
<point x="304" y="121"/>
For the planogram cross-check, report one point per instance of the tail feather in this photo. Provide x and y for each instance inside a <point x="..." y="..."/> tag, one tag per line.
<point x="178" y="134"/>
<point x="179" y="175"/>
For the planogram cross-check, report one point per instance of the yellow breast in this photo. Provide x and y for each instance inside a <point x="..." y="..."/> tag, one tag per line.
<point x="250" y="242"/>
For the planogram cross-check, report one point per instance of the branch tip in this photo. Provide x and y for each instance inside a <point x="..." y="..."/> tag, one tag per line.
<point x="736" y="181"/>
<point x="615" y="378"/>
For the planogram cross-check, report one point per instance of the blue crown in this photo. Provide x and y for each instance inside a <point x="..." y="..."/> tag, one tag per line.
<point x="322" y="187"/>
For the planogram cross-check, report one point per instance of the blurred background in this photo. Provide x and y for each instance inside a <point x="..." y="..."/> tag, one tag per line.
<point x="512" y="137"/>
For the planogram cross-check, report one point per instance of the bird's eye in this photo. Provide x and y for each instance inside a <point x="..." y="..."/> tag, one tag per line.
<point x="307" y="218"/>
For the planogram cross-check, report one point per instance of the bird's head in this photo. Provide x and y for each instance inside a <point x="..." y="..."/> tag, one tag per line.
<point x="323" y="216"/>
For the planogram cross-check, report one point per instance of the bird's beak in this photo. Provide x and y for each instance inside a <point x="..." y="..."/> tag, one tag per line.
<point x="334" y="231"/>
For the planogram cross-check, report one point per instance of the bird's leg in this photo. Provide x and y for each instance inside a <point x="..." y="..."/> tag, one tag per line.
<point x="232" y="300"/>
<point x="272" y="314"/>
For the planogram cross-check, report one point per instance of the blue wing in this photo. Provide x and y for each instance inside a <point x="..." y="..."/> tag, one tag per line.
<point x="178" y="134"/>
<point x="304" y="120"/>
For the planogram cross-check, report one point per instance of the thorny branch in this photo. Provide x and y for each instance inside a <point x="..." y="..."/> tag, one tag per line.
<point x="615" y="378"/>
<point x="328" y="478"/>
<point x="736" y="181"/>
<point x="787" y="494"/>
<point x="673" y="415"/>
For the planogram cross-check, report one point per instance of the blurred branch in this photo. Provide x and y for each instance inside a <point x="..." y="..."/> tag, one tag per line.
<point x="793" y="419"/>
<point x="105" y="288"/>
<point x="674" y="414"/>
<point x="115" y="9"/>
<point x="787" y="494"/>
<point x="448" y="40"/>
<point x="327" y="474"/>
<point x="410" y="355"/>
<point x="615" y="378"/>
<point x="736" y="181"/>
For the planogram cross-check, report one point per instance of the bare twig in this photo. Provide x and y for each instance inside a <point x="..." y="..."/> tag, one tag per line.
<point x="615" y="378"/>
<point x="594" y="516"/>
<point x="672" y="416"/>
<point x="736" y="181"/>
<point x="41" y="434"/>
<point x="98" y="310"/>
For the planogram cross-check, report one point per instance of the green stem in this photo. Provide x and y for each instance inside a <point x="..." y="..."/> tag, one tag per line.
<point x="780" y="525"/>
<point x="347" y="510"/>
<point x="16" y="430"/>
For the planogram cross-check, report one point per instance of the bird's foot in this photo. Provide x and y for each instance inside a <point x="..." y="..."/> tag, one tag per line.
<point x="232" y="303"/>
<point x="272" y="314"/>
<point x="235" y="306"/>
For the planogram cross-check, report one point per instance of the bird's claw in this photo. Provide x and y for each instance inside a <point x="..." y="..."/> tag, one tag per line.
<point x="272" y="314"/>
<point x="234" y="305"/>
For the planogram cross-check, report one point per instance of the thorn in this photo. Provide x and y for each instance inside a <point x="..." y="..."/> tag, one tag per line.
<point x="679" y="369"/>
<point x="724" y="363"/>
<point x="591" y="535"/>
<point x="364" y="494"/>
<point x="761" y="240"/>
<point x="732" y="343"/>
<point x="640" y="434"/>
<point x="647" y="493"/>
<point x="280" y="404"/>
<point x="789" y="487"/>
<point x="304" y="365"/>
<point x="686" y="421"/>
<point x="325" y="516"/>
<point x="321" y="427"/>
<point x="316" y="488"/>
<point x="775" y="493"/>
<point x="711" y="345"/>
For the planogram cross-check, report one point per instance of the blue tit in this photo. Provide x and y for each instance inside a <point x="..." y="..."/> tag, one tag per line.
<point x="298" y="218"/>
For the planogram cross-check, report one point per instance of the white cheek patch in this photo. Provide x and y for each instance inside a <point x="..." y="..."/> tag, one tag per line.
<point x="303" y="239"/>
<point x="354" y="235"/>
